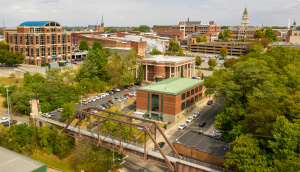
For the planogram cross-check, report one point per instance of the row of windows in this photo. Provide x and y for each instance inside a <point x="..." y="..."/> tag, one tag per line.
<point x="192" y="92"/>
<point x="41" y="30"/>
<point x="191" y="101"/>
<point x="60" y="39"/>
<point x="42" y="50"/>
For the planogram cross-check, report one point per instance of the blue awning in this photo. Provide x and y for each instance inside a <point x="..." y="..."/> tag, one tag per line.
<point x="54" y="57"/>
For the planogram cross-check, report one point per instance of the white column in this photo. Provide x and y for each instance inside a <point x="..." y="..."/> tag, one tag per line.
<point x="146" y="72"/>
<point x="190" y="70"/>
<point x="170" y="72"/>
<point x="187" y="71"/>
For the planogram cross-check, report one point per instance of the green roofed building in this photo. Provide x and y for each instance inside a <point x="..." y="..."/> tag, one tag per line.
<point x="12" y="161"/>
<point x="170" y="99"/>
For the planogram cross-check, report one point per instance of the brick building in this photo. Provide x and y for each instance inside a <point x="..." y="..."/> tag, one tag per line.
<point x="293" y="36"/>
<point x="244" y="30"/>
<point x="161" y="67"/>
<point x="39" y="41"/>
<point x="170" y="99"/>
<point x="188" y="28"/>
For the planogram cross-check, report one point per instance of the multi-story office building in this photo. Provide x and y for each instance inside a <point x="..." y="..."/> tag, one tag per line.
<point x="188" y="28"/>
<point x="169" y="100"/>
<point x="39" y="41"/>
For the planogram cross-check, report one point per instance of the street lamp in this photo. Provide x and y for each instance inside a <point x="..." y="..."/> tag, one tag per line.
<point x="7" y="105"/>
<point x="84" y="92"/>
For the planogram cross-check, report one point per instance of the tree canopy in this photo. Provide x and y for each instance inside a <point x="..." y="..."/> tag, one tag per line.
<point x="224" y="52"/>
<point x="198" y="61"/>
<point x="83" y="45"/>
<point x="173" y="46"/>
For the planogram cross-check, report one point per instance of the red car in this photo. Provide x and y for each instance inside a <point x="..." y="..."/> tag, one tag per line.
<point x="75" y="63"/>
<point x="210" y="102"/>
<point x="110" y="101"/>
<point x="128" y="95"/>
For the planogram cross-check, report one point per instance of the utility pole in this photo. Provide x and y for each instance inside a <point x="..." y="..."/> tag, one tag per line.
<point x="7" y="106"/>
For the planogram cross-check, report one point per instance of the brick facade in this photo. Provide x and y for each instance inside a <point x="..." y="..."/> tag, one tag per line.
<point x="170" y="109"/>
<point x="40" y="44"/>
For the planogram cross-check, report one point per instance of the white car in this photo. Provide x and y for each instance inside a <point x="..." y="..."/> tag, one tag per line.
<point x="59" y="109"/>
<point x="106" y="93"/>
<point x="94" y="111"/>
<point x="97" y="98"/>
<point x="217" y="132"/>
<point x="182" y="126"/>
<point x="117" y="89"/>
<point x="190" y="119"/>
<point x="196" y="114"/>
<point x="93" y="99"/>
<point x="215" y="135"/>
<point x="5" y="119"/>
<point x="47" y="115"/>
<point x="133" y="94"/>
<point x="102" y="94"/>
<point x="84" y="102"/>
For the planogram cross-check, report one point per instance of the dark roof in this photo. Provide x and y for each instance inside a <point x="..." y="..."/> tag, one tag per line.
<point x="212" y="22"/>
<point x="205" y="143"/>
<point x="193" y="23"/>
<point x="294" y="23"/>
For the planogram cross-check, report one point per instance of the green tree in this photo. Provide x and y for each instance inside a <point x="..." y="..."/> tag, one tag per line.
<point x="144" y="28"/>
<point x="224" y="52"/>
<point x="212" y="63"/>
<point x="173" y="46"/>
<point x="4" y="46"/>
<point x="269" y="33"/>
<point x="53" y="74"/>
<point x="180" y="52"/>
<point x="68" y="111"/>
<point x="97" y="45"/>
<point x="114" y="70"/>
<point x="221" y="36"/>
<point x="13" y="58"/>
<point x="258" y="34"/>
<point x="27" y="79"/>
<point x="181" y="72"/>
<point x="141" y="73"/>
<point x="155" y="51"/>
<point x="38" y="78"/>
<point x="246" y="155"/>
<point x="227" y="33"/>
<point x="126" y="78"/>
<point x="83" y="45"/>
<point x="204" y="38"/>
<point x="198" y="61"/>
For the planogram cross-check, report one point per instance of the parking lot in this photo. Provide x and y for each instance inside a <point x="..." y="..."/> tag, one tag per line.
<point x="98" y="102"/>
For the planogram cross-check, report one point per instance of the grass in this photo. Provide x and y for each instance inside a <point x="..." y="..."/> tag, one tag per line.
<point x="53" y="161"/>
<point x="131" y="100"/>
<point x="10" y="81"/>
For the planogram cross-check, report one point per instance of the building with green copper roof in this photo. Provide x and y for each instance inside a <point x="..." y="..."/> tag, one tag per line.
<point x="168" y="100"/>
<point x="172" y="86"/>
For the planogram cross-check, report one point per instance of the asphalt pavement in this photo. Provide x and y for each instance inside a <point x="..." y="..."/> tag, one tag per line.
<point x="98" y="102"/>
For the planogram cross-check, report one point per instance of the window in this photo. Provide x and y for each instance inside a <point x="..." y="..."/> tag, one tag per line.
<point x="182" y="106"/>
<point x="48" y="39"/>
<point x="188" y="94"/>
<point x="196" y="98"/>
<point x="31" y="52"/>
<point x="53" y="38"/>
<point x="68" y="38"/>
<point x="187" y="103"/>
<point x="200" y="96"/>
<point x="200" y="88"/>
<point x="10" y="38"/>
<point x="31" y="39"/>
<point x="53" y="50"/>
<point x="27" y="51"/>
<point x="37" y="52"/>
<point x="16" y="48"/>
<point x="192" y="92"/>
<point x="48" y="51"/>
<point x="53" y="30"/>
<point x="58" y="38"/>
<point x="59" y="50"/>
<point x="37" y="39"/>
<point x="16" y="39"/>
<point x="155" y="102"/>
<point x="183" y="96"/>
<point x="192" y="100"/>
<point x="43" y="51"/>
<point x="69" y="49"/>
<point x="21" y="49"/>
<point x="42" y="39"/>
<point x="21" y="40"/>
<point x="196" y="90"/>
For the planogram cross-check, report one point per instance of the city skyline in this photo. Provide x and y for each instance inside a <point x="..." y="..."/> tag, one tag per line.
<point x="152" y="12"/>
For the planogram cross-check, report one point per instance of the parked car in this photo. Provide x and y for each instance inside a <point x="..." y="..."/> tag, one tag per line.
<point x="110" y="104"/>
<point x="51" y="113"/>
<point x="160" y="144"/>
<point x="89" y="100"/>
<point x="114" y="91"/>
<point x="5" y="119"/>
<point x="202" y="124"/>
<point x="210" y="102"/>
<point x="84" y="102"/>
<point x="5" y="124"/>
<point x="196" y="77"/>
<point x="46" y="115"/>
<point x="131" y="85"/>
<point x="105" y="105"/>
<point x="94" y="111"/>
<point x="196" y="114"/>
<point x="132" y="94"/>
<point x="59" y="110"/>
<point x="128" y="95"/>
<point x="138" y="83"/>
<point x="97" y="97"/>
<point x="93" y="99"/>
<point x="102" y="95"/>
<point x="109" y="92"/>
<point x="215" y="135"/>
<point x="127" y="86"/>
<point x="190" y="119"/>
<point x="101" y="107"/>
<point x="117" y="89"/>
<point x="182" y="126"/>
<point x="74" y="63"/>
<point x="110" y="101"/>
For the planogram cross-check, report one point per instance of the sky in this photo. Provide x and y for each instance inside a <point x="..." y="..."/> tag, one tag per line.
<point x="148" y="12"/>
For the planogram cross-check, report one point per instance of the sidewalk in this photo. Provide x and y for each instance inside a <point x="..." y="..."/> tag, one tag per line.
<point x="199" y="106"/>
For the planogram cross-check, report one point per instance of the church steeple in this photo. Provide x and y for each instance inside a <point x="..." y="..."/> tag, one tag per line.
<point x="188" y="20"/>
<point x="102" y="22"/>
